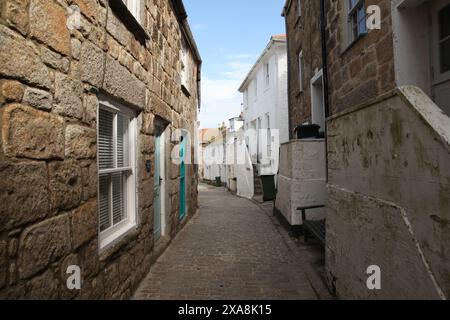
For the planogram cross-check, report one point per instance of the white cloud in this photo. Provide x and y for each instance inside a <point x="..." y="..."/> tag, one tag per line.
<point x="199" y="26"/>
<point x="220" y="101"/>
<point x="220" y="97"/>
<point x="237" y="69"/>
<point x="242" y="56"/>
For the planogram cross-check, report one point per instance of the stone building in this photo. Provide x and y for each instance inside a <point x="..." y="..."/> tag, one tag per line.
<point x="304" y="58"/>
<point x="94" y="95"/>
<point x="388" y="146"/>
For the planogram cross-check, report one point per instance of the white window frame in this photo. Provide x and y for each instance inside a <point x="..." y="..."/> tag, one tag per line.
<point x="300" y="70"/>
<point x="269" y="137"/>
<point x="318" y="100"/>
<point x="115" y="232"/>
<point x="246" y="99"/>
<point x="267" y="74"/>
<point x="184" y="72"/>
<point x="134" y="6"/>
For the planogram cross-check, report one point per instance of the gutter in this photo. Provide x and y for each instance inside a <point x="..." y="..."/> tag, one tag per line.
<point x="324" y="57"/>
<point x="287" y="6"/>
<point x="325" y="76"/>
<point x="284" y="15"/>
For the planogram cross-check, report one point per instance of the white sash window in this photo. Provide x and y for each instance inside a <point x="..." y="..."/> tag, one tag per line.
<point x="184" y="64"/>
<point x="356" y="20"/>
<point x="134" y="6"/>
<point x="116" y="171"/>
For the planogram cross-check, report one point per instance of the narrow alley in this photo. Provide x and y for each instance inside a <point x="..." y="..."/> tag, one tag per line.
<point x="232" y="249"/>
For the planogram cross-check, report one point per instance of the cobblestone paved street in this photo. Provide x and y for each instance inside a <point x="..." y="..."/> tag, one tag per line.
<point x="230" y="250"/>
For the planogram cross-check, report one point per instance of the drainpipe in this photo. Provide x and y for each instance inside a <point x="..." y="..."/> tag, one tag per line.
<point x="288" y="73"/>
<point x="323" y="23"/>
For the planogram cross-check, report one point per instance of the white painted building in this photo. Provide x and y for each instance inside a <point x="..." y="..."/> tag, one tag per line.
<point x="205" y="136"/>
<point x="265" y="106"/>
<point x="224" y="154"/>
<point x="243" y="167"/>
<point x="236" y="124"/>
<point x="213" y="160"/>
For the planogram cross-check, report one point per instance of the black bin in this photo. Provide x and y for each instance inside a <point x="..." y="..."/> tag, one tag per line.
<point x="307" y="131"/>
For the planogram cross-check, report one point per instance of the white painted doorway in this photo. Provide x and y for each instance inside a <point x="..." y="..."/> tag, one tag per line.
<point x="317" y="100"/>
<point x="440" y="48"/>
<point x="159" y="218"/>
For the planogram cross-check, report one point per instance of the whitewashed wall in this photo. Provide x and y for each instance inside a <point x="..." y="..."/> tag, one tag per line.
<point x="213" y="156"/>
<point x="270" y="100"/>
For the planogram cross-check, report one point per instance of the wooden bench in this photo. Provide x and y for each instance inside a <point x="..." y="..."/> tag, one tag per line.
<point x="315" y="228"/>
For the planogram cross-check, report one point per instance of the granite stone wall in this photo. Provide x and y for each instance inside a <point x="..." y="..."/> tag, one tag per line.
<point x="364" y="69"/>
<point x="50" y="79"/>
<point x="303" y="35"/>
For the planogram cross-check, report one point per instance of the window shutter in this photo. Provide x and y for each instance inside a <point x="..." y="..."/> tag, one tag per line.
<point x="122" y="151"/>
<point x="105" y="140"/>
<point x="104" y="203"/>
<point x="118" y="198"/>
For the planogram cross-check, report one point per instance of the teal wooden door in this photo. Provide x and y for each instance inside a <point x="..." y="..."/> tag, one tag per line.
<point x="182" y="212"/>
<point x="157" y="190"/>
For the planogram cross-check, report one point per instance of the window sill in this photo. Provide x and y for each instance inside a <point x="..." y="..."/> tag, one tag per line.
<point x="107" y="244"/>
<point x="124" y="15"/>
<point x="351" y="44"/>
<point x="185" y="90"/>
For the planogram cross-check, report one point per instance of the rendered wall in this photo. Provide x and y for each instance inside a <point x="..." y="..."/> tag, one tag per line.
<point x="243" y="168"/>
<point x="302" y="179"/>
<point x="389" y="205"/>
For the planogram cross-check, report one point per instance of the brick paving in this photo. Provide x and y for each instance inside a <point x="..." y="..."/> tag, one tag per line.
<point x="231" y="249"/>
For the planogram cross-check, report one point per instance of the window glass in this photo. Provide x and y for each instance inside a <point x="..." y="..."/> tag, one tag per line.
<point x="356" y="19"/>
<point x="105" y="140"/>
<point x="444" y="38"/>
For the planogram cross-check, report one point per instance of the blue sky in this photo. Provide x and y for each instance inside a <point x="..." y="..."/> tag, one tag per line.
<point x="230" y="35"/>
